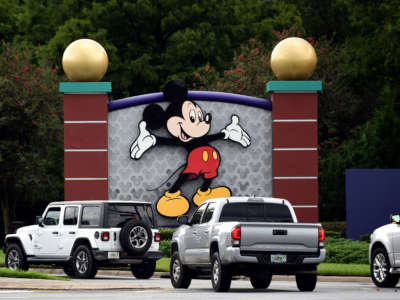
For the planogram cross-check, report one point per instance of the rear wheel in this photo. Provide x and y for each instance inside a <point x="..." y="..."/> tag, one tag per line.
<point x="83" y="263"/>
<point x="144" y="270"/>
<point x="68" y="270"/>
<point x="380" y="266"/>
<point x="306" y="282"/>
<point x="15" y="258"/>
<point x="261" y="280"/>
<point x="221" y="276"/>
<point x="180" y="275"/>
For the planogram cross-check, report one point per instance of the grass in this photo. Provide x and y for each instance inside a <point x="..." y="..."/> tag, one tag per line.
<point x="163" y="264"/>
<point x="329" y="269"/>
<point x="28" y="274"/>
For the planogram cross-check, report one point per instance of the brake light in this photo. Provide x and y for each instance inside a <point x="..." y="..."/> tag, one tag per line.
<point x="321" y="237"/>
<point x="105" y="236"/>
<point x="157" y="237"/>
<point x="236" y="235"/>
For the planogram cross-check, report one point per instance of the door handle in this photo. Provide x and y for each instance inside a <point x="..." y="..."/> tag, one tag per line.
<point x="55" y="232"/>
<point x="71" y="232"/>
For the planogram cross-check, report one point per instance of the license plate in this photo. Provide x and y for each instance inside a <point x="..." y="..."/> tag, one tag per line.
<point x="278" y="258"/>
<point x="113" y="255"/>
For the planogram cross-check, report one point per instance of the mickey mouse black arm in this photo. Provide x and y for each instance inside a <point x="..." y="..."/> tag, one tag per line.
<point x="165" y="141"/>
<point x="213" y="137"/>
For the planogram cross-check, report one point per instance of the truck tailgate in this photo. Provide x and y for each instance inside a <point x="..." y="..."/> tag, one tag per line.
<point x="280" y="237"/>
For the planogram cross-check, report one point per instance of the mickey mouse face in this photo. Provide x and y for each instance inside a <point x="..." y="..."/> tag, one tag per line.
<point x="193" y="123"/>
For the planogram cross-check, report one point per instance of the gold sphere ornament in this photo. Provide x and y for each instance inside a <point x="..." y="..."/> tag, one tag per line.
<point x="293" y="59"/>
<point x="85" y="60"/>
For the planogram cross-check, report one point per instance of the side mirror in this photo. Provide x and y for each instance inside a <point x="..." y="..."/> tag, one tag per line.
<point x="183" y="220"/>
<point x="39" y="221"/>
<point x="395" y="219"/>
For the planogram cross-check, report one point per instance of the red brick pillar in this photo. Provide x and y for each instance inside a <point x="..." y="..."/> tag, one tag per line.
<point x="295" y="145"/>
<point x="85" y="140"/>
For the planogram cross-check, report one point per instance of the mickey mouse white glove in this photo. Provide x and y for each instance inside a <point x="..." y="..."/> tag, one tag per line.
<point x="235" y="133"/>
<point x="144" y="141"/>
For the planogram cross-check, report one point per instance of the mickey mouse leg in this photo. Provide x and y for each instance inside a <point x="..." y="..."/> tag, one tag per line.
<point x="172" y="203"/>
<point x="205" y="192"/>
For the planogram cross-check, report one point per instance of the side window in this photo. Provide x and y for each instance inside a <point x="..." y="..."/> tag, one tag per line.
<point x="197" y="214"/>
<point x="71" y="215"/>
<point x="209" y="213"/>
<point x="52" y="216"/>
<point x="91" y="216"/>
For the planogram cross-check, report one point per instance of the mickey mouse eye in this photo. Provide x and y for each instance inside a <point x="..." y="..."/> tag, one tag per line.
<point x="200" y="116"/>
<point x="192" y="115"/>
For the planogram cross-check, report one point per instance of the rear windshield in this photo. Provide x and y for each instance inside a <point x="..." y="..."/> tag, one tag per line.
<point x="255" y="212"/>
<point x="118" y="214"/>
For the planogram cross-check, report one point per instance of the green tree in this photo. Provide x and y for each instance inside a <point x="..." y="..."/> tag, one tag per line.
<point x="151" y="41"/>
<point x="373" y="145"/>
<point x="31" y="131"/>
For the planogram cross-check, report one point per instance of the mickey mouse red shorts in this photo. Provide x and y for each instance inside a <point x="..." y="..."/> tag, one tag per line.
<point x="203" y="160"/>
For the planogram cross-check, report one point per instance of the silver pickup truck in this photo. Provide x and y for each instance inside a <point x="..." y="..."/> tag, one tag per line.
<point x="255" y="237"/>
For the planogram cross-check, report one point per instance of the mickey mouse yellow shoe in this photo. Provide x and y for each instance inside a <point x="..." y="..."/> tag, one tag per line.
<point x="172" y="204"/>
<point x="218" y="192"/>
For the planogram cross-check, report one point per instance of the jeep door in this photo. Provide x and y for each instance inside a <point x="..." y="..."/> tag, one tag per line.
<point x="68" y="231"/>
<point x="45" y="239"/>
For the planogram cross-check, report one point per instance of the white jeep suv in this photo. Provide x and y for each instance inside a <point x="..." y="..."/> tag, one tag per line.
<point x="81" y="236"/>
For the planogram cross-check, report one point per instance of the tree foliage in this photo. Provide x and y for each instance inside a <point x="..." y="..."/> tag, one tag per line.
<point x="31" y="131"/>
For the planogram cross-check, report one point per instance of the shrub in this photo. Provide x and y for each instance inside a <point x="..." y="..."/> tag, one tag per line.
<point x="165" y="248"/>
<point x="166" y="233"/>
<point x="344" y="251"/>
<point x="338" y="227"/>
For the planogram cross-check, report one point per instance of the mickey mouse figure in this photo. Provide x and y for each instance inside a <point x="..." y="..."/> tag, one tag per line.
<point x="189" y="127"/>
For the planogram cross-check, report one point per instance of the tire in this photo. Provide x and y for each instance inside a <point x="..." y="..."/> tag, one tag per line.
<point x="380" y="266"/>
<point x="144" y="270"/>
<point x="68" y="270"/>
<point x="261" y="280"/>
<point x="15" y="258"/>
<point x="136" y="237"/>
<point x="180" y="275"/>
<point x="306" y="282"/>
<point x="83" y="264"/>
<point x="221" y="276"/>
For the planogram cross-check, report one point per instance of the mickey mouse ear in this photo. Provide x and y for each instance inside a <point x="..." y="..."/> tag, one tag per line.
<point x="175" y="91"/>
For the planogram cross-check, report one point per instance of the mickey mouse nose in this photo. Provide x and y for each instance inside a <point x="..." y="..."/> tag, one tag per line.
<point x="208" y="118"/>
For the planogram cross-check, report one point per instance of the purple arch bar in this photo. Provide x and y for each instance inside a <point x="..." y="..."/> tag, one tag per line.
<point x="192" y="95"/>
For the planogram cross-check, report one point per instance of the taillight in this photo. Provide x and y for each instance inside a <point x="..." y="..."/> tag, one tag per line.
<point x="157" y="237"/>
<point x="236" y="234"/>
<point x="105" y="236"/>
<point x="321" y="237"/>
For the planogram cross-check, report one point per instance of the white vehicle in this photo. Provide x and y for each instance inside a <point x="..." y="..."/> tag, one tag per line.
<point x="384" y="253"/>
<point x="81" y="236"/>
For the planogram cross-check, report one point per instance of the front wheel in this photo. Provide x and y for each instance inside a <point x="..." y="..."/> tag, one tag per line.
<point x="144" y="270"/>
<point x="15" y="258"/>
<point x="306" y="282"/>
<point x="380" y="266"/>
<point x="180" y="275"/>
<point x="261" y="280"/>
<point x="83" y="263"/>
<point x="221" y="276"/>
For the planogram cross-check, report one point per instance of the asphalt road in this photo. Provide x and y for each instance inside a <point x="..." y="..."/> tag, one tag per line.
<point x="159" y="288"/>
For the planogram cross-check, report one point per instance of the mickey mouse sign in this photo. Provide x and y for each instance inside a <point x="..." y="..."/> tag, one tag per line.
<point x="188" y="126"/>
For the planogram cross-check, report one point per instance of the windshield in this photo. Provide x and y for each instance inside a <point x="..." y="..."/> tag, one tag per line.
<point x="256" y="212"/>
<point x="118" y="214"/>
